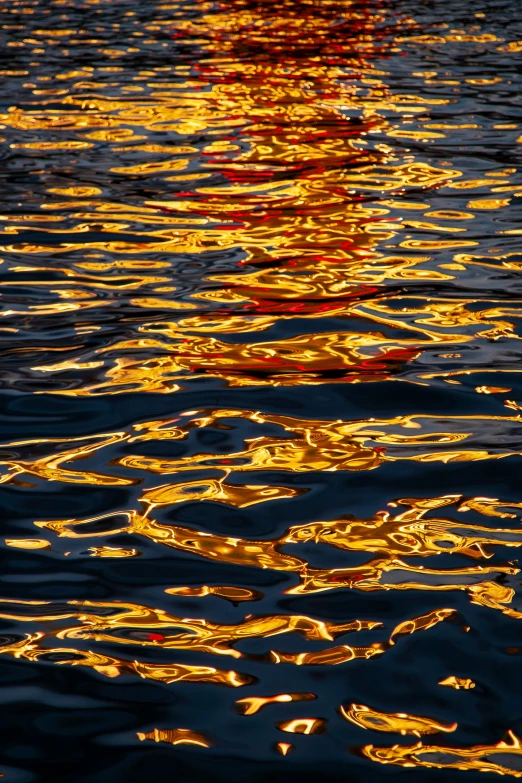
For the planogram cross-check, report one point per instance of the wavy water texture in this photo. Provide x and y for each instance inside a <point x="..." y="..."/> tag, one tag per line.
<point x="260" y="283"/>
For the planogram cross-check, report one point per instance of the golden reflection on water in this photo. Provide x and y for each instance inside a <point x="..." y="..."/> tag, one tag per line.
<point x="176" y="737"/>
<point x="399" y="723"/>
<point x="458" y="682"/>
<point x="322" y="256"/>
<point x="480" y="758"/>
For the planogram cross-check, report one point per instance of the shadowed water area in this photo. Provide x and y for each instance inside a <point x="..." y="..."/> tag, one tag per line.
<point x="260" y="391"/>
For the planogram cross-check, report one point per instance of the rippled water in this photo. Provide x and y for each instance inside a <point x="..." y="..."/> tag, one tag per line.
<point x="261" y="392"/>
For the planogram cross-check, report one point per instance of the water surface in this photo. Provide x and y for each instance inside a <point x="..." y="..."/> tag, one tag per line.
<point x="260" y="390"/>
